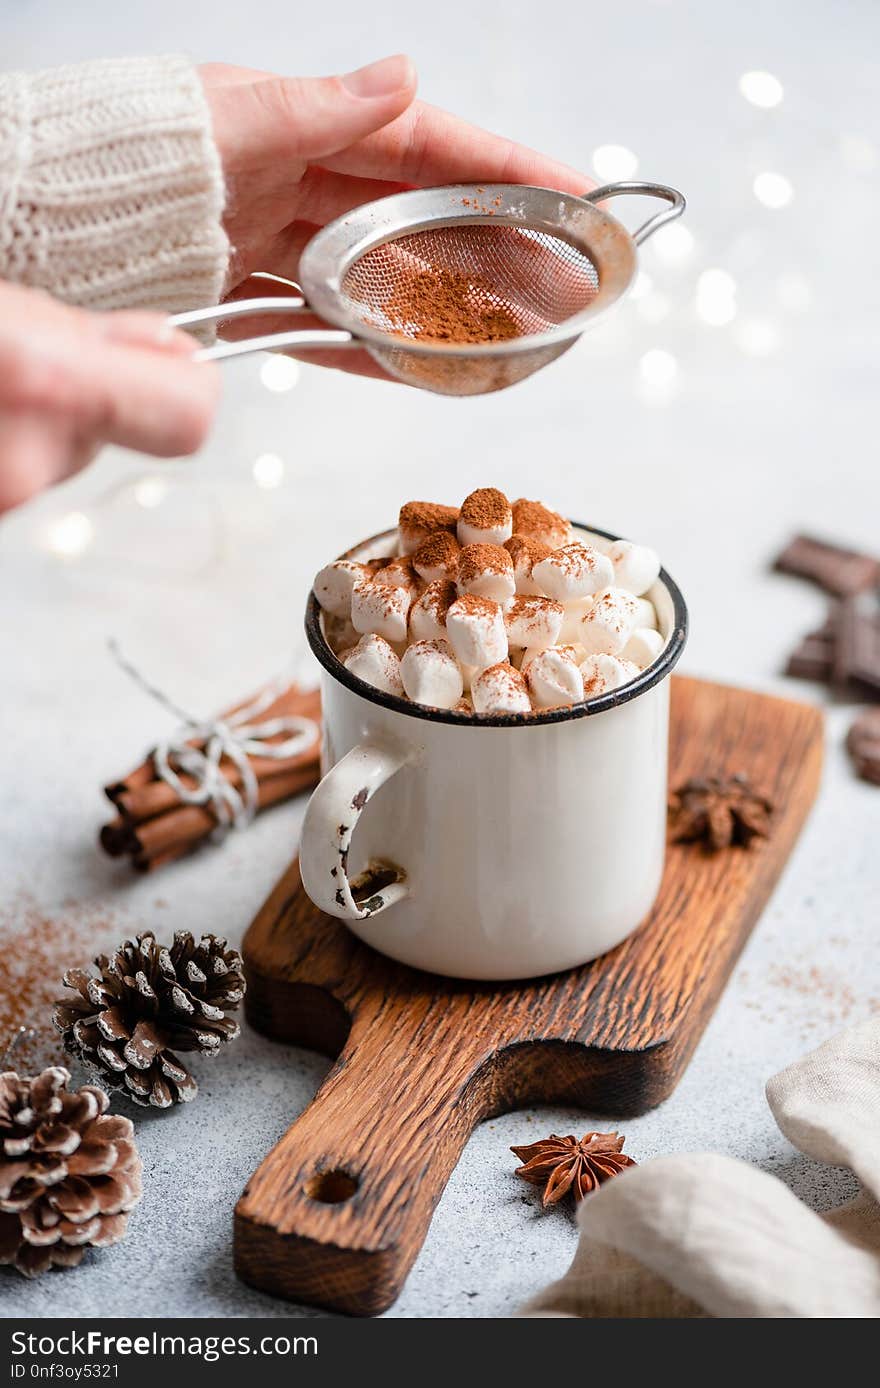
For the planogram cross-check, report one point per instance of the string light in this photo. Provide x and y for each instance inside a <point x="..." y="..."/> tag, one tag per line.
<point x="758" y="337"/>
<point x="70" y="535"/>
<point x="658" y="367"/>
<point x="641" y="286"/>
<point x="761" y="89"/>
<point x="716" y="297"/>
<point x="268" y="471"/>
<point x="673" y="244"/>
<point x="773" y="189"/>
<point x="614" y="162"/>
<point x="279" y="373"/>
<point x="150" y="492"/>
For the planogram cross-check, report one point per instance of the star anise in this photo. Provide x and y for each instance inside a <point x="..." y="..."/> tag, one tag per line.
<point x="720" y="810"/>
<point x="561" y="1164"/>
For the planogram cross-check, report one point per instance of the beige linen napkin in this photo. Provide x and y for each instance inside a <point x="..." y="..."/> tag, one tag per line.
<point x="709" y="1235"/>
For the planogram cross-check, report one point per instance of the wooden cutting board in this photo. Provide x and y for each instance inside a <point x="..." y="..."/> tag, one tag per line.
<point x="337" y="1212"/>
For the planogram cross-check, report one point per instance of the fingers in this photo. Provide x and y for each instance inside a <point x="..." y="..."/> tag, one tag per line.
<point x="277" y="118"/>
<point x="71" y="380"/>
<point x="426" y="146"/>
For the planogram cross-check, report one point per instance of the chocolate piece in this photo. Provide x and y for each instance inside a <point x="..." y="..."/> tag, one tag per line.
<point x="863" y="745"/>
<point x="857" y="649"/>
<point x="812" y="660"/>
<point x="838" y="570"/>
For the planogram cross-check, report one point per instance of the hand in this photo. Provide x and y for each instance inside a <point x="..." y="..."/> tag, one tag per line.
<point x="71" y="380"/>
<point x="299" y="152"/>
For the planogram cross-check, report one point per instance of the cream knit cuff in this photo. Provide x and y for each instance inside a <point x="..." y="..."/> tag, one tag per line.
<point x="111" y="190"/>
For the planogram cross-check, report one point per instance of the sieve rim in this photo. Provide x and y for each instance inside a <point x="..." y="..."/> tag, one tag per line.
<point x="333" y="250"/>
<point x="652" y="675"/>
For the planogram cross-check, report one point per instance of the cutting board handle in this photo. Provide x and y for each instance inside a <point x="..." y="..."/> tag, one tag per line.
<point x="337" y="1212"/>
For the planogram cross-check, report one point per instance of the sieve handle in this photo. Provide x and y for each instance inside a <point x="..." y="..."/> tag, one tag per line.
<point x="302" y="340"/>
<point x="646" y="190"/>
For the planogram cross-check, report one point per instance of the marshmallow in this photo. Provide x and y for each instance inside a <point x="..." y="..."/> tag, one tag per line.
<point x="533" y="621"/>
<point x="574" y="613"/>
<point x="431" y="674"/>
<point x="538" y="522"/>
<point x="437" y="557"/>
<point x="380" y="609"/>
<point x="374" y="662"/>
<point x="636" y="567"/>
<point x="485" y="518"/>
<point x="500" y="689"/>
<point x="576" y="653"/>
<point x="419" y="519"/>
<point x="602" y="673"/>
<point x="647" y="613"/>
<point x="427" y="616"/>
<point x="609" y="623"/>
<point x="487" y="571"/>
<point x="554" y="679"/>
<point x="475" y="626"/>
<point x="644" y="646"/>
<point x="399" y="573"/>
<point x="334" y="583"/>
<point x="526" y="553"/>
<point x="574" y="571"/>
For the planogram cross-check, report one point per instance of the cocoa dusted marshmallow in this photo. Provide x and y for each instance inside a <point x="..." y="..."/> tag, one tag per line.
<point x="554" y="679"/>
<point x="526" y="553"/>
<point x="334" y="583"/>
<point x="602" y="673"/>
<point x="381" y="609"/>
<point x="427" y="616"/>
<point x="399" y="573"/>
<point x="636" y="567"/>
<point x="437" y="557"/>
<point x="431" y="674"/>
<point x="500" y="689"/>
<point x="419" y="519"/>
<point x="374" y="662"/>
<point x="487" y="571"/>
<point x="475" y="627"/>
<point x="609" y="623"/>
<point x="574" y="571"/>
<point x="485" y="518"/>
<point x="538" y="522"/>
<point x="533" y="621"/>
<point x="647" y="613"/>
<point x="644" y="646"/>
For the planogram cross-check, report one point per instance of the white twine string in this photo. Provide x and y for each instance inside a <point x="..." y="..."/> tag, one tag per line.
<point x="236" y="738"/>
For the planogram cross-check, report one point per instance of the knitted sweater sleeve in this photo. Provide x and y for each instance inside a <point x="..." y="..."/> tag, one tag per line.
<point x="111" y="190"/>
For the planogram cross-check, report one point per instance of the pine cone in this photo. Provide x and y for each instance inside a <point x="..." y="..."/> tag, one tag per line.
<point x="68" y="1174"/>
<point x="148" y="1003"/>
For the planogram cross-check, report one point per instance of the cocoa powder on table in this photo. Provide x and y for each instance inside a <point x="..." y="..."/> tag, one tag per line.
<point x="446" y="306"/>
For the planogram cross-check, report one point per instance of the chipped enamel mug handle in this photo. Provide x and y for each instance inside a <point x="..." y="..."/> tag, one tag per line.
<point x="331" y="816"/>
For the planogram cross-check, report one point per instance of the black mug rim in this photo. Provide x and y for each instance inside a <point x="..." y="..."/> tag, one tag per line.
<point x="655" y="672"/>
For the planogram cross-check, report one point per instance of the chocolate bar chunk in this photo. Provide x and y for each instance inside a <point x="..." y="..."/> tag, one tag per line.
<point x="813" y="659"/>
<point x="856" y="658"/>
<point x="838" y="570"/>
<point x="863" y="745"/>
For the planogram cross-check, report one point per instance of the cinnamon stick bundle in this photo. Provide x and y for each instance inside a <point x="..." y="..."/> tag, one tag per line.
<point x="153" y="826"/>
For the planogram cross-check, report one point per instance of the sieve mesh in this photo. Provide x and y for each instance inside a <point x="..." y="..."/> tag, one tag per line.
<point x="537" y="279"/>
<point x="469" y="283"/>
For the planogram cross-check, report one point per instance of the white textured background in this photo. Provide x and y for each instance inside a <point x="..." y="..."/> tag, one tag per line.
<point x="205" y="590"/>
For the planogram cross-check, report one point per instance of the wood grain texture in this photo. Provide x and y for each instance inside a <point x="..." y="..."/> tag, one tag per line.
<point x="338" y="1210"/>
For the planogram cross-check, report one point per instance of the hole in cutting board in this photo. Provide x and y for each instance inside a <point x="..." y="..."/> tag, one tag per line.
<point x="331" y="1187"/>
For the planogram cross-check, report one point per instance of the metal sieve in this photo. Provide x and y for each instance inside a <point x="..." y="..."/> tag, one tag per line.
<point x="527" y="269"/>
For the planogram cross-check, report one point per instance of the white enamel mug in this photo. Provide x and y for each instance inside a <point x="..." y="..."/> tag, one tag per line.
<point x="491" y="847"/>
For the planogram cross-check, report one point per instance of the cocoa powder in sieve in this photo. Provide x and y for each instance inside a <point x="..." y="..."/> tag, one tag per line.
<point x="446" y="306"/>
